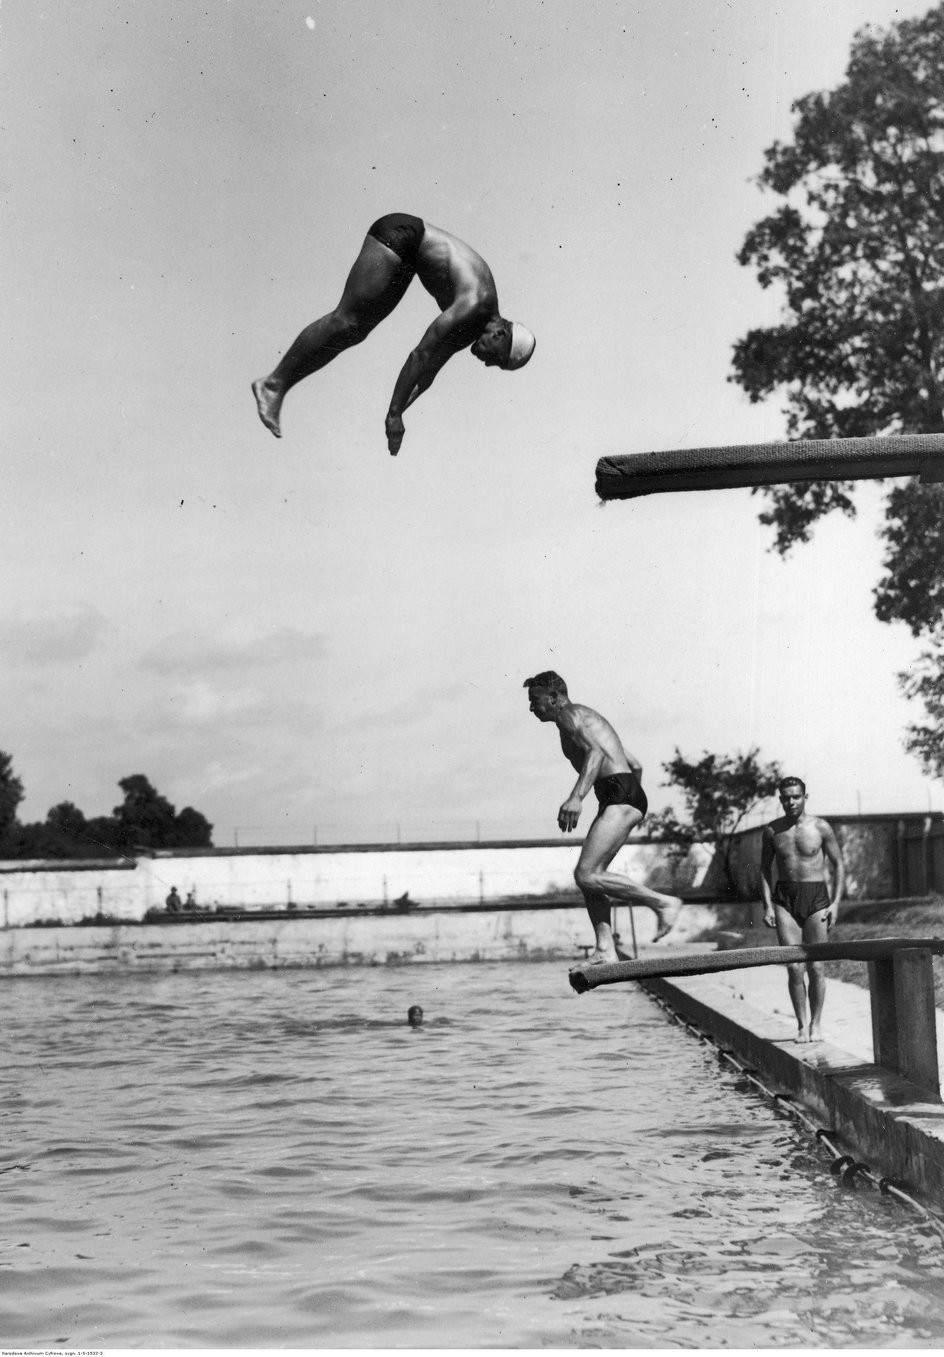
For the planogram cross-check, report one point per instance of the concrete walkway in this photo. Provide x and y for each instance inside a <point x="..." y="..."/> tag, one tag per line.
<point x="847" y="1018"/>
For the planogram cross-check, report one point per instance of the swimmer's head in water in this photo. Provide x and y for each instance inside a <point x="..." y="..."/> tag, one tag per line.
<point x="415" y="1016"/>
<point x="505" y="344"/>
<point x="546" y="693"/>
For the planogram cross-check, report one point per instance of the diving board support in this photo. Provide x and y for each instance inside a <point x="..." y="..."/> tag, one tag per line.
<point x="630" y="475"/>
<point x="901" y="988"/>
<point x="904" y="1021"/>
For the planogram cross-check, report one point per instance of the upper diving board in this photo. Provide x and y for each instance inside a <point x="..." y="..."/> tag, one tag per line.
<point x="647" y="473"/>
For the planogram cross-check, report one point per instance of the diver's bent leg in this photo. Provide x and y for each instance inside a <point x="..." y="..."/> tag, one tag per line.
<point x="374" y="286"/>
<point x="314" y="348"/>
<point x="598" y="906"/>
<point x="667" y="907"/>
<point x="600" y="912"/>
<point x="605" y="838"/>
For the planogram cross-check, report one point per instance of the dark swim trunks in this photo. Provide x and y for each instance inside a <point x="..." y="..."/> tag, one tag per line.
<point x="802" y="899"/>
<point x="621" y="789"/>
<point x="401" y="233"/>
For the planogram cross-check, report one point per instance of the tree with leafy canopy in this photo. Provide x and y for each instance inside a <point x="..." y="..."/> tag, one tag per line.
<point x="718" y="791"/>
<point x="857" y="247"/>
<point x="11" y="794"/>
<point x="144" y="820"/>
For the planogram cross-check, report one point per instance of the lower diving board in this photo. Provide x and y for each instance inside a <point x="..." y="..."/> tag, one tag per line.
<point x="901" y="990"/>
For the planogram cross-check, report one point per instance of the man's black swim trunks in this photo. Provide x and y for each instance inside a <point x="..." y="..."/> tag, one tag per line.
<point x="621" y="789"/>
<point x="401" y="233"/>
<point x="802" y="899"/>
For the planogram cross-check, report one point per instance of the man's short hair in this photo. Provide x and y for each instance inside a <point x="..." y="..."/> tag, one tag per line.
<point x="791" y="782"/>
<point x="549" y="681"/>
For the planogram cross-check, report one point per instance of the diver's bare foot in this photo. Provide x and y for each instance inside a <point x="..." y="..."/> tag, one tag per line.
<point x="668" y="918"/>
<point x="269" y="397"/>
<point x="804" y="1036"/>
<point x="597" y="958"/>
<point x="815" y="1033"/>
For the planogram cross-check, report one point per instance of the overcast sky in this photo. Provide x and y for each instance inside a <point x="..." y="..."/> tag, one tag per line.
<point x="311" y="633"/>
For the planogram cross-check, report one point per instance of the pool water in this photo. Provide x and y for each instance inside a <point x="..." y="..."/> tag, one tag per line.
<point x="277" y="1159"/>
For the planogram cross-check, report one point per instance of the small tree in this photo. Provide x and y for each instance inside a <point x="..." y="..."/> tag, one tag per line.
<point x="11" y="794"/>
<point x="192" y="829"/>
<point x="719" y="790"/>
<point x="66" y="819"/>
<point x="145" y="819"/>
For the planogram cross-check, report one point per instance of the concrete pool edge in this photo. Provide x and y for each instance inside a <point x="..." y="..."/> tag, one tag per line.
<point x="881" y="1119"/>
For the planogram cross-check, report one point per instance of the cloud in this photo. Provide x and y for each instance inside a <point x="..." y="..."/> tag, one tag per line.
<point x="406" y="712"/>
<point x="199" y="702"/>
<point x="51" y="638"/>
<point x="237" y="645"/>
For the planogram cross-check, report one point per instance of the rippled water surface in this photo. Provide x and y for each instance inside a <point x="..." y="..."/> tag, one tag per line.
<point x="275" y="1159"/>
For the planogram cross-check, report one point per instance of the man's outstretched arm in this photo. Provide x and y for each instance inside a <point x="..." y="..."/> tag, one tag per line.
<point x="449" y="333"/>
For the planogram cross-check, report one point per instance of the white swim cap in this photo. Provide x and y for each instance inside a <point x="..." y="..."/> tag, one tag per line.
<point x="522" y="346"/>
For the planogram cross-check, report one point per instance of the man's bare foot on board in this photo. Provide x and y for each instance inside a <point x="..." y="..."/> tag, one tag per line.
<point x="269" y="396"/>
<point x="597" y="958"/>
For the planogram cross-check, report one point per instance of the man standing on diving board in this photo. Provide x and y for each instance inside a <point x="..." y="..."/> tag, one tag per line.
<point x="396" y="248"/>
<point x="800" y="906"/>
<point x="591" y="744"/>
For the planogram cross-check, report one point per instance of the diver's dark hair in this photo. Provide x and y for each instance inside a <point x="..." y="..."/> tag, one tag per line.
<point x="549" y="681"/>
<point x="791" y="782"/>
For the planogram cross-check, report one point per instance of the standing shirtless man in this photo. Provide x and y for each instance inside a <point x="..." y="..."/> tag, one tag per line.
<point x="593" y="747"/>
<point x="396" y="248"/>
<point x="800" y="907"/>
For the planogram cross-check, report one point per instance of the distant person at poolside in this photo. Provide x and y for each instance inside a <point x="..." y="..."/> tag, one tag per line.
<point x="801" y="906"/>
<point x="396" y="248"/>
<point x="603" y="766"/>
<point x="173" y="901"/>
<point x="191" y="901"/>
<point x="415" y="1016"/>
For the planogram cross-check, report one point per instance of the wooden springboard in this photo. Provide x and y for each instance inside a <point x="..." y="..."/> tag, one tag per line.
<point x="631" y="475"/>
